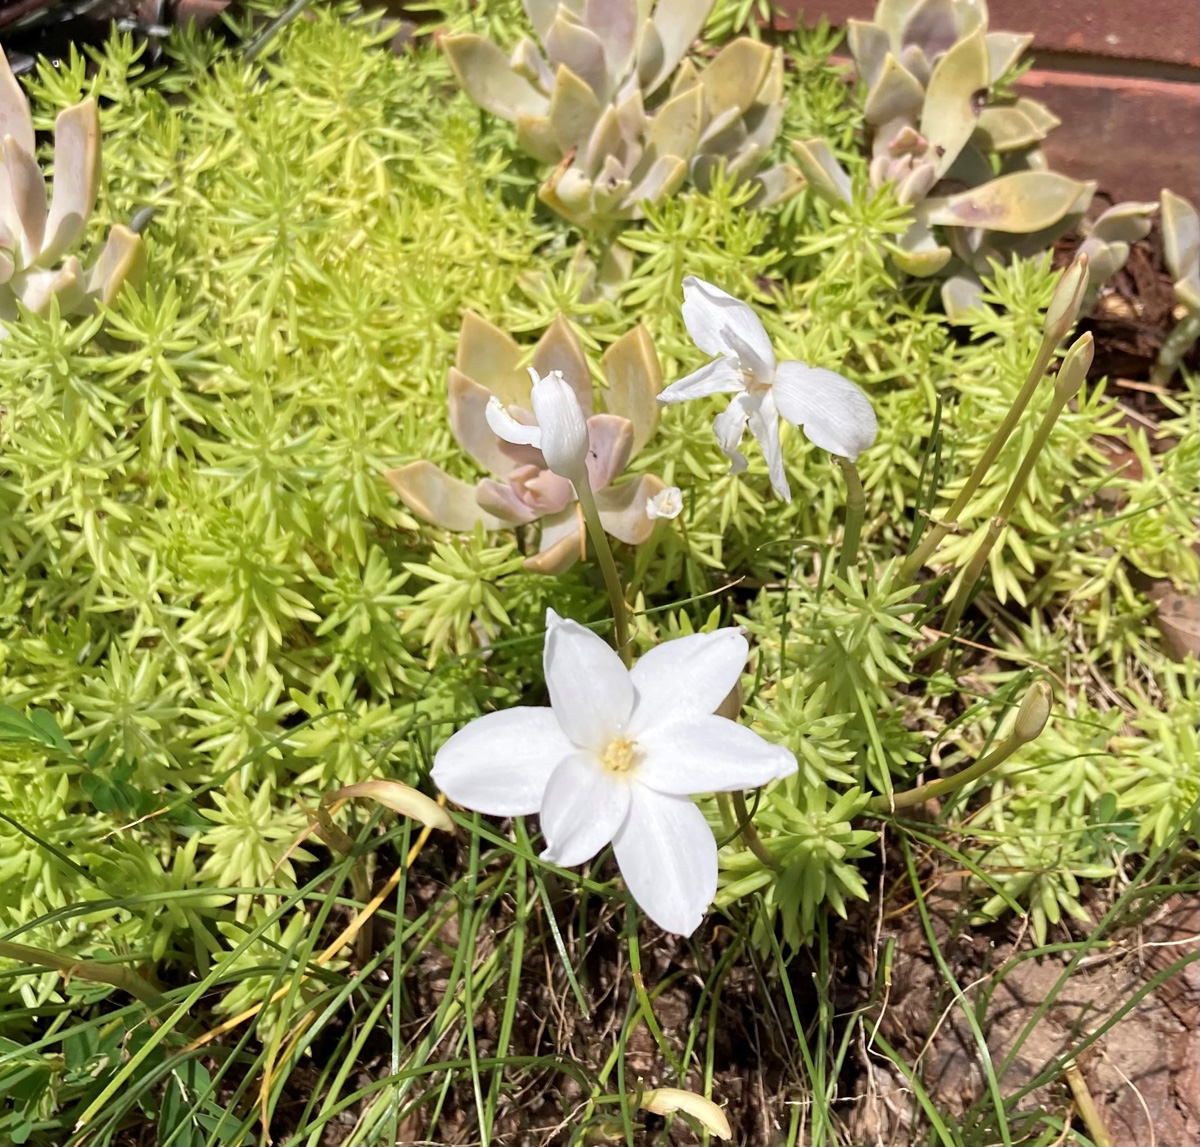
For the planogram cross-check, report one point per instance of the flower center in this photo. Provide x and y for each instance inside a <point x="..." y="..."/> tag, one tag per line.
<point x="621" y="756"/>
<point x="754" y="384"/>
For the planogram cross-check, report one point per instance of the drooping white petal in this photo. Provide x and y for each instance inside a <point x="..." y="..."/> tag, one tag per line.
<point x="721" y="376"/>
<point x="708" y="755"/>
<point x="834" y="413"/>
<point x="500" y="763"/>
<point x="712" y="315"/>
<point x="563" y="427"/>
<point x="590" y="689"/>
<point x="730" y="425"/>
<point x="668" y="858"/>
<point x="687" y="677"/>
<point x="764" y="425"/>
<point x="505" y="426"/>
<point x="582" y="810"/>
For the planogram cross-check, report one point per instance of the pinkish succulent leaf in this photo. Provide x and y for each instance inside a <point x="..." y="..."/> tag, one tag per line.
<point x="433" y="495"/>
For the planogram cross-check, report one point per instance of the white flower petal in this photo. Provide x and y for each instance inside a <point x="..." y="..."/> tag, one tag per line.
<point x="687" y="677"/>
<point x="582" y="810"/>
<point x="730" y="425"/>
<point x="668" y="858"/>
<point x="834" y="413"/>
<point x="590" y="689"/>
<point x="711" y="316"/>
<point x="500" y="763"/>
<point x="708" y="755"/>
<point x="721" y="376"/>
<point x="764" y="425"/>
<point x="505" y="426"/>
<point x="564" y="430"/>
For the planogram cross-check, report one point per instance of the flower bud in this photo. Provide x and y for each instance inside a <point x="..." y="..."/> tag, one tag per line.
<point x="1068" y="299"/>
<point x="563" y="427"/>
<point x="1033" y="713"/>
<point x="1075" y="365"/>
<point x="668" y="1100"/>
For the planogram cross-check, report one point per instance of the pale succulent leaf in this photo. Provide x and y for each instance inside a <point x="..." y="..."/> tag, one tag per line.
<point x="1181" y="234"/>
<point x="466" y="403"/>
<point x="634" y="378"/>
<point x="615" y="22"/>
<point x="434" y="496"/>
<point x="559" y="349"/>
<point x="37" y="286"/>
<point x="961" y="294"/>
<point x="76" y="179"/>
<point x="1007" y="129"/>
<point x="485" y="74"/>
<point x="492" y="358"/>
<point x="123" y="260"/>
<point x="892" y="15"/>
<point x="623" y="508"/>
<point x="1125" y="222"/>
<point x="14" y="109"/>
<point x="954" y="97"/>
<point x="663" y="179"/>
<point x="574" y="110"/>
<point x="675" y="129"/>
<point x="869" y="44"/>
<point x="27" y="189"/>
<point x="821" y="170"/>
<point x="535" y="137"/>
<point x="736" y="75"/>
<point x="573" y="46"/>
<point x="1004" y="49"/>
<point x="933" y="25"/>
<point x="895" y="95"/>
<point x="776" y="185"/>
<point x="677" y="23"/>
<point x="1024" y="202"/>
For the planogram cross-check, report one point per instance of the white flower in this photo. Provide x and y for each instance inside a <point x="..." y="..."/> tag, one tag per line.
<point x="665" y="504"/>
<point x="615" y="758"/>
<point x="832" y="411"/>
<point x="560" y="432"/>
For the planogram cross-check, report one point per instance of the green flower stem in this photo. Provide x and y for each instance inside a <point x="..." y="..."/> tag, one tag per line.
<point x="115" y="974"/>
<point x="938" y="530"/>
<point x="750" y="833"/>
<point x="608" y="567"/>
<point x="1070" y="378"/>
<point x="1031" y="720"/>
<point x="856" y="504"/>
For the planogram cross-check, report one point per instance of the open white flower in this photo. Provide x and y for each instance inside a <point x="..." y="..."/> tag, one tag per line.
<point x="666" y="503"/>
<point x="830" y="409"/>
<point x="615" y="758"/>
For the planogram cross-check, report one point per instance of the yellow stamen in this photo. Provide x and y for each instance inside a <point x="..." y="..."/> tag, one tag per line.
<point x="621" y="756"/>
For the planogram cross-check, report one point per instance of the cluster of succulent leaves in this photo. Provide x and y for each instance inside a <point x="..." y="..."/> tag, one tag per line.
<point x="212" y="591"/>
<point x="962" y="150"/>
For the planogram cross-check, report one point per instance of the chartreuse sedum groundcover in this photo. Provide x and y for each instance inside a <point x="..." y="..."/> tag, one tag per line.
<point x="561" y="482"/>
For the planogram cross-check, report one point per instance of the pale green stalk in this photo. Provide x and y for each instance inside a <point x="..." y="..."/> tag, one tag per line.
<point x="1060" y="318"/>
<point x="856" y="504"/>
<point x="608" y="567"/>
<point x="1031" y="720"/>
<point x="1070" y="377"/>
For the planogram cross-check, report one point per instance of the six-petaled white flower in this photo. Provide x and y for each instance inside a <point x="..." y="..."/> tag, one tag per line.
<point x="615" y="759"/>
<point x="666" y="503"/>
<point x="830" y="409"/>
